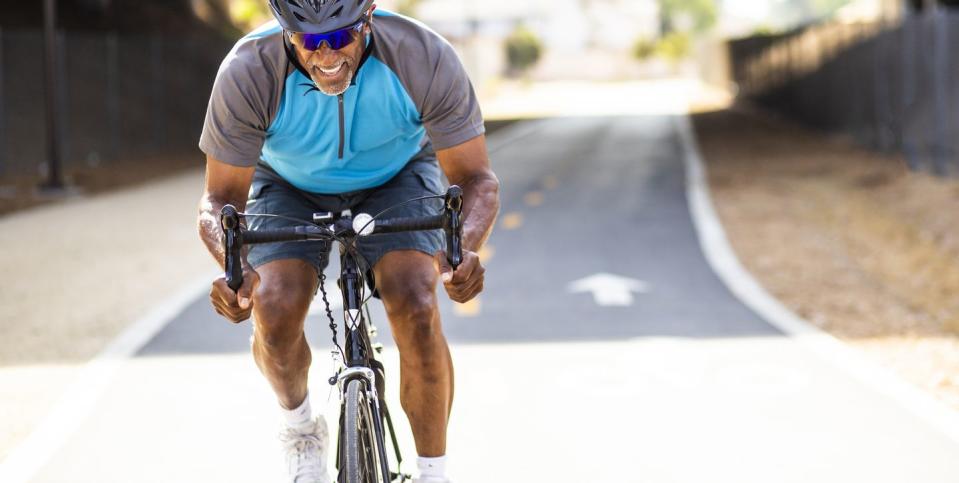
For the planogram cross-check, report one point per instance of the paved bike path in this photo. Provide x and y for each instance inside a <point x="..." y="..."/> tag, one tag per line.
<point x="683" y="385"/>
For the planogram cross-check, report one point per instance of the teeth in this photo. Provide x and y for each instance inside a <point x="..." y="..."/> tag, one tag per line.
<point x="332" y="70"/>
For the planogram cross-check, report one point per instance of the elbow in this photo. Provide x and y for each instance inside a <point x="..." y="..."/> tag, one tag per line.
<point x="491" y="185"/>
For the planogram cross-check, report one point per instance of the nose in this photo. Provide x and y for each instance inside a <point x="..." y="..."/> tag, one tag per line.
<point x="325" y="52"/>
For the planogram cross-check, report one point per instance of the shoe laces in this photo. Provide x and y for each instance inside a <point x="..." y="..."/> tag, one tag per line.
<point x="305" y="453"/>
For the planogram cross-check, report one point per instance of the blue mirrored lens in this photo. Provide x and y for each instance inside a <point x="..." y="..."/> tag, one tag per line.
<point x="336" y="39"/>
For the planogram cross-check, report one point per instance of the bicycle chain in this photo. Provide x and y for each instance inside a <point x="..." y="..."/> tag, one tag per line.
<point x="333" y="326"/>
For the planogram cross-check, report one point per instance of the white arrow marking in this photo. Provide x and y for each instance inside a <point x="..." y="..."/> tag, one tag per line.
<point x="609" y="290"/>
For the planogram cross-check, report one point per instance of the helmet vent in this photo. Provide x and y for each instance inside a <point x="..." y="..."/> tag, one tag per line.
<point x="300" y="17"/>
<point x="337" y="13"/>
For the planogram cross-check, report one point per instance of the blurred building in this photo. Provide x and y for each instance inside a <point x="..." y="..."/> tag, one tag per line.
<point x="741" y="18"/>
<point x="575" y="33"/>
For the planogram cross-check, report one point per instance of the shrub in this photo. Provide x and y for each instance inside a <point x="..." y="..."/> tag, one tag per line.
<point x="644" y="48"/>
<point x="523" y="49"/>
<point x="674" y="46"/>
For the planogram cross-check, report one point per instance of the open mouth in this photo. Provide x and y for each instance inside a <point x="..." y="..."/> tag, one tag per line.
<point x="331" y="71"/>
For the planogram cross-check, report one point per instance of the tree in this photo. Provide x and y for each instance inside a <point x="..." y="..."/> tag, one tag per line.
<point x="523" y="49"/>
<point x="699" y="14"/>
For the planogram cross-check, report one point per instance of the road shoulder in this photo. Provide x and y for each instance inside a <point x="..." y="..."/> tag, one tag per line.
<point x="847" y="239"/>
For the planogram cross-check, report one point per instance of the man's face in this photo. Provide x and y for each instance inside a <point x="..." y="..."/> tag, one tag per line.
<point x="332" y="70"/>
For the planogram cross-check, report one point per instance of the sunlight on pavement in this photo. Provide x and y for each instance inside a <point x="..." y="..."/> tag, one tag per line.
<point x="551" y="182"/>
<point x="525" y="100"/>
<point x="533" y="198"/>
<point x="512" y="221"/>
<point x="486" y="253"/>
<point x="472" y="308"/>
<point x="662" y="402"/>
<point x="582" y="98"/>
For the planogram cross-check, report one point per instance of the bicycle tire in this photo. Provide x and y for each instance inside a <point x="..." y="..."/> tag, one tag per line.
<point x="363" y="453"/>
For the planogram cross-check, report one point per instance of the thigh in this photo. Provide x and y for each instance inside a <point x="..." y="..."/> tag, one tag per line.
<point x="420" y="177"/>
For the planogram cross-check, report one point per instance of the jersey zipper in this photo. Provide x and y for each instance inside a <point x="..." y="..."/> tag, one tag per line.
<point x="342" y="122"/>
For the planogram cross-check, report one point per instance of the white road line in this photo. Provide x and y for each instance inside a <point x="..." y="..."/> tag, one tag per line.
<point x="82" y="395"/>
<point x="723" y="261"/>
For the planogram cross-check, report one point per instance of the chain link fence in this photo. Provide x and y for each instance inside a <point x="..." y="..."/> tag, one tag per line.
<point x="891" y="86"/>
<point x="122" y="97"/>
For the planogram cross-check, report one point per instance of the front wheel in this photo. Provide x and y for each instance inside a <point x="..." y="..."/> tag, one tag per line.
<point x="363" y="456"/>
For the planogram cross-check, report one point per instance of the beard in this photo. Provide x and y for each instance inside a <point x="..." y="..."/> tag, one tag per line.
<point x="333" y="87"/>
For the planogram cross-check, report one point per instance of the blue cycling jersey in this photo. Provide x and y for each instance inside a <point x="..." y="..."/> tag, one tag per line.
<point x="410" y="91"/>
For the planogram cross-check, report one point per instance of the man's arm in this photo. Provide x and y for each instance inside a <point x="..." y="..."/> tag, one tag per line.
<point x="226" y="184"/>
<point x="468" y="166"/>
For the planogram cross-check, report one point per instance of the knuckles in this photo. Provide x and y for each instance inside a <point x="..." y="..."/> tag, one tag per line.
<point x="225" y="303"/>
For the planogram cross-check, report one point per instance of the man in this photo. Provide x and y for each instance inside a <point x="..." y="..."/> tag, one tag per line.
<point x="333" y="107"/>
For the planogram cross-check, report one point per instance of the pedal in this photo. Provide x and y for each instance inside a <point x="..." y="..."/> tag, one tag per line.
<point x="400" y="477"/>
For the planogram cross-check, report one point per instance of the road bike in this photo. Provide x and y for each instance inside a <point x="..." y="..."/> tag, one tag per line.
<point x="360" y="378"/>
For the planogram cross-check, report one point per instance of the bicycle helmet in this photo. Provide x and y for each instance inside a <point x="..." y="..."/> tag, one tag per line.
<point x="318" y="16"/>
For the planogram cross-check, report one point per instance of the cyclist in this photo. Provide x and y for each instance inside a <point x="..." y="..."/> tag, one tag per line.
<point x="330" y="107"/>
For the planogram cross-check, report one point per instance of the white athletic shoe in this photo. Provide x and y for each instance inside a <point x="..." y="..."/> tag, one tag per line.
<point x="305" y="450"/>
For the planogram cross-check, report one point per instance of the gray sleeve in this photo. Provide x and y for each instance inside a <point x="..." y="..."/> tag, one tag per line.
<point x="450" y="110"/>
<point x="240" y="109"/>
<point x="433" y="76"/>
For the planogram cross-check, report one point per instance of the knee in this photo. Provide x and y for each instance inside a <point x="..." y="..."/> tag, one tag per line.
<point x="280" y="310"/>
<point x="414" y="317"/>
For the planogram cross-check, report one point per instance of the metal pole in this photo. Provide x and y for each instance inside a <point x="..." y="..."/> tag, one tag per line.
<point x="3" y="145"/>
<point x="54" y="175"/>
<point x="113" y="94"/>
<point x="159" y="111"/>
<point x="940" y="62"/>
<point x="908" y="56"/>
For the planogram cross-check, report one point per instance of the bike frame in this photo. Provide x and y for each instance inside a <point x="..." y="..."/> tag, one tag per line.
<point x="360" y="359"/>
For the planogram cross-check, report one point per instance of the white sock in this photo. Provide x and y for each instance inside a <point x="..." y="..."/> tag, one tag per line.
<point x="432" y="467"/>
<point x="299" y="417"/>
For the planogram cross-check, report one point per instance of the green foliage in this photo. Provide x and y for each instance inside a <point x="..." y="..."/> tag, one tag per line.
<point x="644" y="48"/>
<point x="249" y="14"/>
<point x="764" y="31"/>
<point x="702" y="13"/>
<point x="674" y="46"/>
<point x="523" y="49"/>
<point x="407" y="7"/>
<point x="827" y="7"/>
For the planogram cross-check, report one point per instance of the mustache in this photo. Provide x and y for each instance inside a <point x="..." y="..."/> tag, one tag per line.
<point x="318" y="65"/>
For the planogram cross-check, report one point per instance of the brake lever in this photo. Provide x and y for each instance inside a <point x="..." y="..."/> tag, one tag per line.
<point x="454" y="226"/>
<point x="232" y="245"/>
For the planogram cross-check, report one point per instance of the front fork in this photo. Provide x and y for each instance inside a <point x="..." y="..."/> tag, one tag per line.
<point x="361" y="363"/>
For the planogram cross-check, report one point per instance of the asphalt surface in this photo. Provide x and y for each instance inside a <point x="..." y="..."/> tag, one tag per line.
<point x="680" y="384"/>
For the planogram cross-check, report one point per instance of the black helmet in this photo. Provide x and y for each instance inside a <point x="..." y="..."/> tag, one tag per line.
<point x="318" y="16"/>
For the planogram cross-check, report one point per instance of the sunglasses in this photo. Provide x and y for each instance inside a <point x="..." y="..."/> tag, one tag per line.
<point x="336" y="39"/>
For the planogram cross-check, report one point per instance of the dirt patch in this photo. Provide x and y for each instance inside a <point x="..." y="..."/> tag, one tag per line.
<point x="848" y="239"/>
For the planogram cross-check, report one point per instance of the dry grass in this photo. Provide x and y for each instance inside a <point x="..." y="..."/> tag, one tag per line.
<point x="848" y="239"/>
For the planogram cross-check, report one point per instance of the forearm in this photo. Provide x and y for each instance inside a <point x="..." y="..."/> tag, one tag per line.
<point x="208" y="225"/>
<point x="480" y="208"/>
